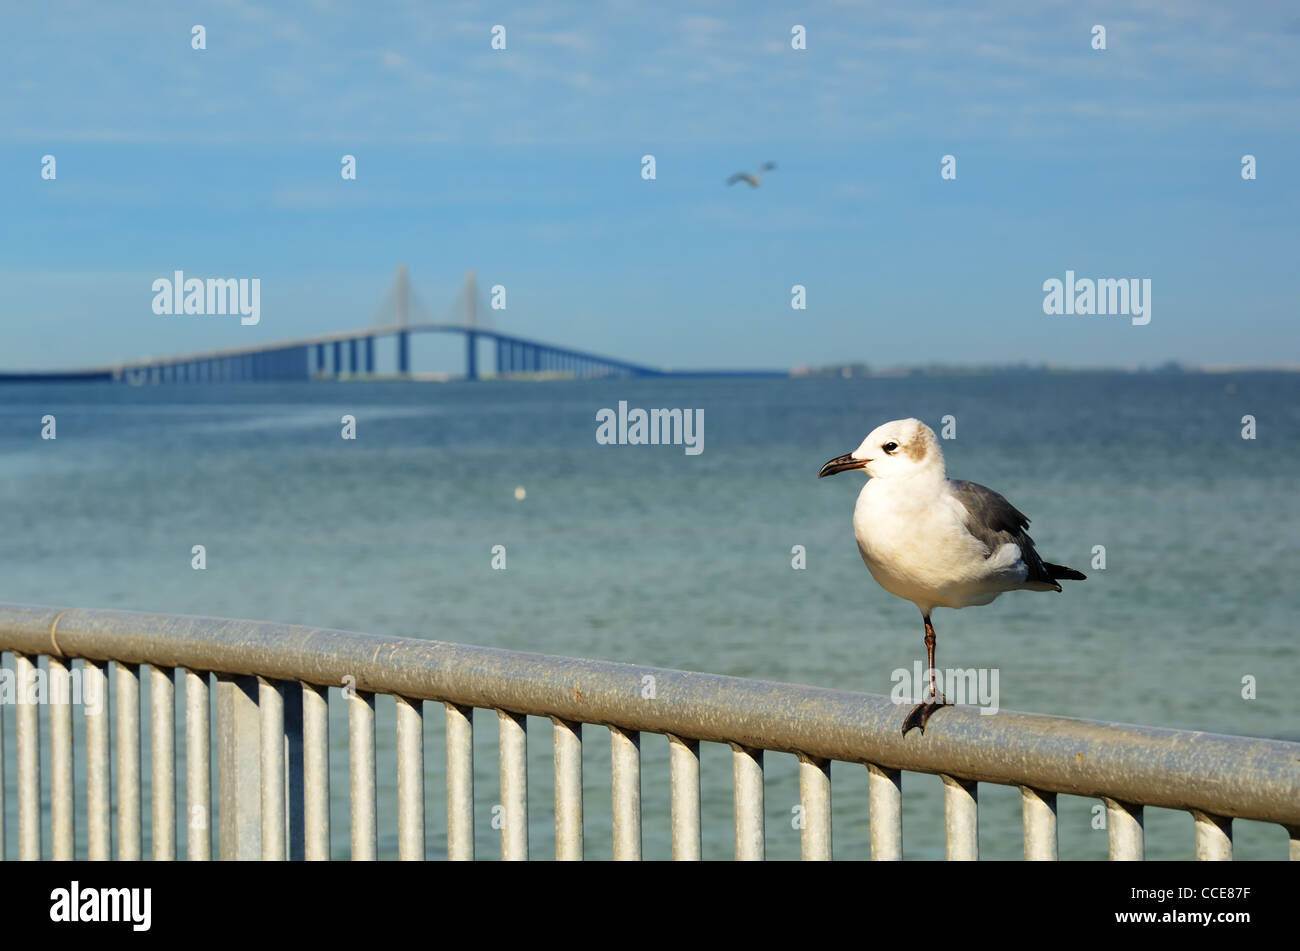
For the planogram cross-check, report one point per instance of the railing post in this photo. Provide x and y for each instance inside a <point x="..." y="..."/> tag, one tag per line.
<point x="1213" y="837"/>
<point x="29" y="761"/>
<point x="885" y="802"/>
<point x="238" y="768"/>
<point x="1124" y="829"/>
<point x="99" y="829"/>
<point x="198" y="768"/>
<point x="410" y="779"/>
<point x="61" y="812"/>
<point x="162" y="750"/>
<point x="747" y="779"/>
<point x="568" y="790"/>
<point x="961" y="819"/>
<point x="815" y="801"/>
<point x="129" y="841"/>
<point x="460" y="783"/>
<point x="361" y="765"/>
<point x="513" y="752"/>
<point x="1039" y="816"/>
<point x="625" y="766"/>
<point x="684" y="769"/>
<point x="270" y="702"/>
<point x="316" y="772"/>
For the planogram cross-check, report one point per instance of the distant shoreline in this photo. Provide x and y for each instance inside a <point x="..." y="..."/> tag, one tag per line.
<point x="1171" y="368"/>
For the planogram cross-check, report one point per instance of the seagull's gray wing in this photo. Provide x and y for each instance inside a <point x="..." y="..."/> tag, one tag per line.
<point x="741" y="177"/>
<point x="995" y="521"/>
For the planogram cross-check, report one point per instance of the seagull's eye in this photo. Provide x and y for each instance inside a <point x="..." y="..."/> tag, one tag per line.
<point x="890" y="447"/>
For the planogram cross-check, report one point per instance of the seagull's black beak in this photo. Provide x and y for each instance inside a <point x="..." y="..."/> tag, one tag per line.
<point x="842" y="464"/>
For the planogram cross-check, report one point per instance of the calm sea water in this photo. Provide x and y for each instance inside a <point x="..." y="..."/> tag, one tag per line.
<point x="649" y="555"/>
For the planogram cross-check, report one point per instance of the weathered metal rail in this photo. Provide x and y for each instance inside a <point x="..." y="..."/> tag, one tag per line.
<point x="272" y="685"/>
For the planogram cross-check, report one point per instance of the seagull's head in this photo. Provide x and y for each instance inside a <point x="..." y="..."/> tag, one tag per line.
<point x="899" y="448"/>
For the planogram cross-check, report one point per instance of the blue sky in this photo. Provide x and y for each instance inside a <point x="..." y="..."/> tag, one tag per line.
<point x="525" y="164"/>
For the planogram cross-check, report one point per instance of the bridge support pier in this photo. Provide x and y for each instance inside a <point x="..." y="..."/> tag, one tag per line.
<point x="471" y="356"/>
<point x="370" y="355"/>
<point x="404" y="353"/>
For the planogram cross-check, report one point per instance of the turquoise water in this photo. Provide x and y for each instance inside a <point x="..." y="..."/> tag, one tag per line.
<point x="646" y="554"/>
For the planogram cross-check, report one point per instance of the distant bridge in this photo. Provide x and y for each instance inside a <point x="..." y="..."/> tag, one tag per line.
<point x="351" y="353"/>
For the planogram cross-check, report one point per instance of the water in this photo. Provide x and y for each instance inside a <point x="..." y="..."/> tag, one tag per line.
<point x="649" y="555"/>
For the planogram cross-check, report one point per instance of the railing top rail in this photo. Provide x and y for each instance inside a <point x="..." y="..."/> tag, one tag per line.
<point x="1242" y="777"/>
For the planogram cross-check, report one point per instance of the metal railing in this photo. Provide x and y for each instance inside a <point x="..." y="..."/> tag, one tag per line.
<point x="272" y="735"/>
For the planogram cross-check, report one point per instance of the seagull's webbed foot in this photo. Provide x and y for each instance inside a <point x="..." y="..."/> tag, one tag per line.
<point x="922" y="712"/>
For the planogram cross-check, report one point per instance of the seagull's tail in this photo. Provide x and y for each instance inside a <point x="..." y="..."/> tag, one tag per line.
<point x="1062" y="573"/>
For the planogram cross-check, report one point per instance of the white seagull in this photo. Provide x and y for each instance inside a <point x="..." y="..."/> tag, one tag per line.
<point x="752" y="179"/>
<point x="935" y="541"/>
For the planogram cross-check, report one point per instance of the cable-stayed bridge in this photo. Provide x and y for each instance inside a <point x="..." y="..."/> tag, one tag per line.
<point x="351" y="353"/>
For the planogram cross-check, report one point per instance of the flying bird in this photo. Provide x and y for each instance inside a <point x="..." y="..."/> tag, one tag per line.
<point x="935" y="541"/>
<point x="755" y="179"/>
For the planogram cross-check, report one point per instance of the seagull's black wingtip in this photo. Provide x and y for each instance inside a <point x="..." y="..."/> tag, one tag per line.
<point x="1062" y="573"/>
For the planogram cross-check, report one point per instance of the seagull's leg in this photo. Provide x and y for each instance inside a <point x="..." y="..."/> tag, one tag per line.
<point x="922" y="712"/>
<point x="930" y="641"/>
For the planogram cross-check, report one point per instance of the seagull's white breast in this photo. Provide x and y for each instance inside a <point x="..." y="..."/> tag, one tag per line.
<point x="912" y="535"/>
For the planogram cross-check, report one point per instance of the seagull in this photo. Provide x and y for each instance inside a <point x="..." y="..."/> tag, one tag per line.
<point x="753" y="180"/>
<point x="935" y="541"/>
